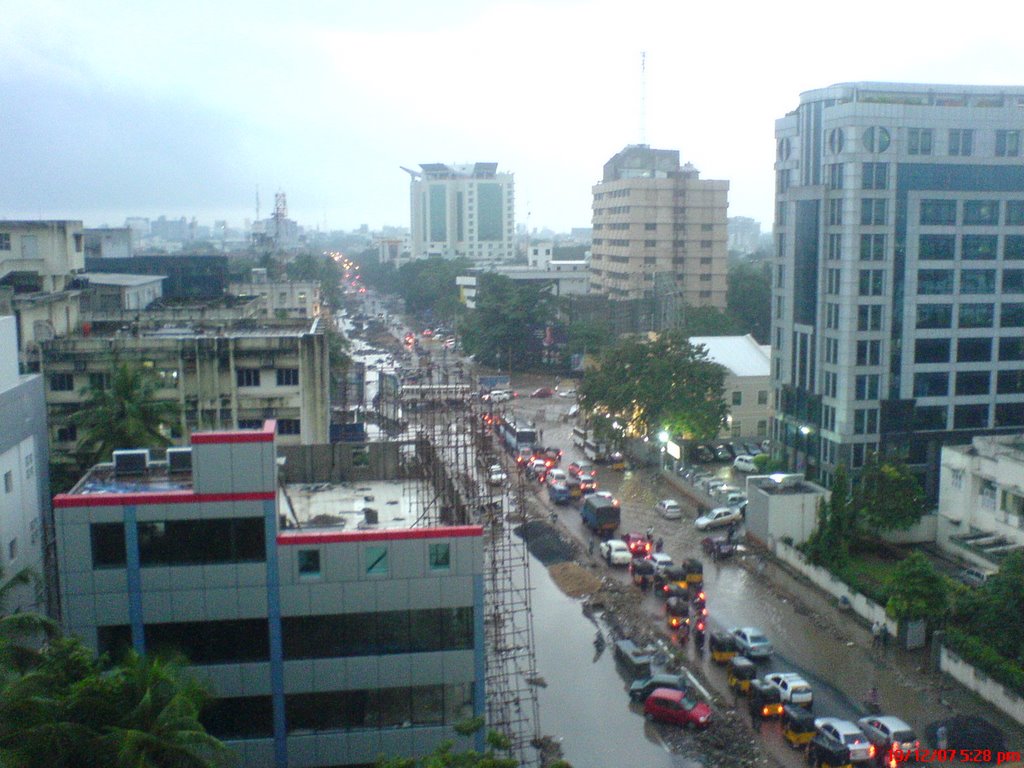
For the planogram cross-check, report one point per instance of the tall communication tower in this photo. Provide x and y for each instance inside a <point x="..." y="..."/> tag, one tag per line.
<point x="643" y="97"/>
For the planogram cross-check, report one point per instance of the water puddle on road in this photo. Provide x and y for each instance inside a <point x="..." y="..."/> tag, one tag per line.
<point x="585" y="704"/>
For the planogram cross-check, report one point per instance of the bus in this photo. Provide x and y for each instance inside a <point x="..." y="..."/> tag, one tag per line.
<point x="517" y="438"/>
<point x="596" y="451"/>
<point x="579" y="436"/>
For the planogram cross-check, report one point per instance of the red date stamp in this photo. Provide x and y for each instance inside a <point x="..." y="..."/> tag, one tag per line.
<point x="985" y="756"/>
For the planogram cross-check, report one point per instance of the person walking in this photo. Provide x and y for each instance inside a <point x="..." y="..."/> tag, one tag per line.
<point x="876" y="634"/>
<point x="659" y="544"/>
<point x="590" y="548"/>
<point x="885" y="636"/>
<point x="755" y="716"/>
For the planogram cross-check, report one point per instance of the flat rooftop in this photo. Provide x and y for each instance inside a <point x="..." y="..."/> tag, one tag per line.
<point x="344" y="506"/>
<point x="101" y="478"/>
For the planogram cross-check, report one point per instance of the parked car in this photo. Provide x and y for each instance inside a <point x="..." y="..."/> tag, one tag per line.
<point x="669" y="509"/>
<point x="792" y="688"/>
<point x="744" y="463"/>
<point x="736" y="499"/>
<point x="723" y="491"/>
<point x="501" y="395"/>
<point x="496" y="475"/>
<point x="752" y="449"/>
<point x="677" y="707"/>
<point x="641" y="689"/>
<point x="752" y="642"/>
<point x="717" y="518"/>
<point x="567" y="393"/>
<point x="543" y="392"/>
<point x="724" y="452"/>
<point x="702" y="454"/>
<point x="616" y="552"/>
<point x="886" y="732"/>
<point x="847" y="734"/>
<point x="713" y="485"/>
<point x="973" y="577"/>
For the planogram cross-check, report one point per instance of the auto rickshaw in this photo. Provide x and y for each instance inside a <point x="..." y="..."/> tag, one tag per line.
<point x="723" y="647"/>
<point x="741" y="672"/>
<point x="825" y="753"/>
<point x="671" y="582"/>
<point x="641" y="568"/>
<point x="617" y="461"/>
<point x="766" y="698"/>
<point x="573" y="484"/>
<point x="797" y="726"/>
<point x="676" y="612"/>
<point x="694" y="572"/>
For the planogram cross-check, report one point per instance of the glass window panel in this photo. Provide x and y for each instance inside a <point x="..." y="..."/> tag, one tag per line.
<point x="458" y="703"/>
<point x="1010" y="383"/>
<point x="977" y="315"/>
<point x="440" y="557"/>
<point x="974" y="350"/>
<point x="981" y="212"/>
<point x="394" y="707"/>
<point x="934" y="282"/>
<point x="930" y="417"/>
<point x="936" y="247"/>
<point x="978" y="247"/>
<point x="933" y="384"/>
<point x="1009" y="414"/>
<point x="972" y="383"/>
<point x="975" y="281"/>
<point x="931" y="351"/>
<point x="1011" y="315"/>
<point x="934" y="316"/>
<point x="1011" y="349"/>
<point x="376" y="559"/>
<point x="970" y="416"/>
<point x="425" y="632"/>
<point x="393" y="634"/>
<point x="938" y="212"/>
<point x="428" y="705"/>
<point x="1013" y="247"/>
<point x="1015" y="212"/>
<point x="108" y="545"/>
<point x="1013" y="281"/>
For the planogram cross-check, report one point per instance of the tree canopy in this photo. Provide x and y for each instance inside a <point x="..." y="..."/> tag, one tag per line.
<point x="748" y="297"/>
<point x="507" y="326"/>
<point x="666" y="383"/>
<point x="916" y="590"/>
<point x="887" y="497"/>
<point x="995" y="612"/>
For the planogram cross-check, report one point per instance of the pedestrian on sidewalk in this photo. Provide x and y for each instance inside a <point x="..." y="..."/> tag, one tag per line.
<point x="590" y="548"/>
<point x="659" y="544"/>
<point x="885" y="636"/>
<point x="876" y="634"/>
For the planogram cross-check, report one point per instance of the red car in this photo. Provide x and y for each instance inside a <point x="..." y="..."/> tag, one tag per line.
<point x="638" y="544"/>
<point x="677" y="707"/>
<point x="543" y="392"/>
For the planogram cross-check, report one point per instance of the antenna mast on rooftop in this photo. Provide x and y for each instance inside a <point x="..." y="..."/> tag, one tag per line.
<point x="643" y="97"/>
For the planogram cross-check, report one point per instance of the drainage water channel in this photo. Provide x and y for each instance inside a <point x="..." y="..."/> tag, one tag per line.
<point x="585" y="704"/>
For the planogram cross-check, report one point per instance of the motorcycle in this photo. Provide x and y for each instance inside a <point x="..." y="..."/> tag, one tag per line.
<point x="698" y="635"/>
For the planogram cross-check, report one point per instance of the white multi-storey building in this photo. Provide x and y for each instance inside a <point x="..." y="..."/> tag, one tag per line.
<point x="898" y="285"/>
<point x="462" y="211"/>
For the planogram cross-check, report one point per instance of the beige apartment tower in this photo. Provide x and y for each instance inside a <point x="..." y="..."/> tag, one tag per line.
<point x="659" y="230"/>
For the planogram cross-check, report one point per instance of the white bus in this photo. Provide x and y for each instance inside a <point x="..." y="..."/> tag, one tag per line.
<point x="579" y="436"/>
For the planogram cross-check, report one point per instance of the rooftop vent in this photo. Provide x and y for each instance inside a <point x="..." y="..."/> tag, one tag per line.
<point x="131" y="462"/>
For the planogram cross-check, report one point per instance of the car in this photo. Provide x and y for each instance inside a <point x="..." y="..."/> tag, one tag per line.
<point x="713" y="485"/>
<point x="578" y="468"/>
<point x="723" y="452"/>
<point x="588" y="483"/>
<point x="567" y="393"/>
<point x="496" y="475"/>
<point x="723" y="491"/>
<point x="543" y="392"/>
<point x="886" y="732"/>
<point x="972" y="577"/>
<point x="848" y="734"/>
<point x="536" y="468"/>
<point x="607" y="495"/>
<point x="717" y="518"/>
<point x="736" y="499"/>
<point x="662" y="562"/>
<point x="669" y="509"/>
<point x="639" y="545"/>
<point x="702" y="454"/>
<point x="792" y="688"/>
<point x="751" y="449"/>
<point x="555" y="475"/>
<point x="616" y="552"/>
<point x="428" y="332"/>
<point x="501" y="395"/>
<point x="753" y="644"/>
<point x="744" y="463"/>
<point x="641" y="689"/>
<point x="677" y="707"/>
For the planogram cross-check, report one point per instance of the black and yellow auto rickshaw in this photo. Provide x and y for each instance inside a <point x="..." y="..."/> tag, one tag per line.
<point x="677" y="612"/>
<point x="694" y="573"/>
<point x="723" y="647"/>
<point x="825" y="753"/>
<point x="797" y="726"/>
<point x="765" y="698"/>
<point x="741" y="672"/>
<point x="671" y="582"/>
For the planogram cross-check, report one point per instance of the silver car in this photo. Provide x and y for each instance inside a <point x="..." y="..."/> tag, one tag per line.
<point x="848" y="734"/>
<point x="753" y="644"/>
<point x="886" y="732"/>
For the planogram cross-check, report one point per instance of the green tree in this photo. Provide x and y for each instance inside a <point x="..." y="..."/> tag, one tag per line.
<point x="666" y="383"/>
<point x="917" y="591"/>
<point x="21" y="631"/>
<point x="748" y="297"/>
<point x="318" y="268"/>
<point x="496" y="755"/>
<point x="424" y="283"/>
<point x="589" y="336"/>
<point x="501" y="330"/>
<point x="887" y="497"/>
<point x="707" y="321"/>
<point x="72" y="710"/>
<point x="125" y="414"/>
<point x="828" y="545"/>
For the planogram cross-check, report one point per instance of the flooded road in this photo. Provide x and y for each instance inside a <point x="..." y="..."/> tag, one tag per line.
<point x="585" y="704"/>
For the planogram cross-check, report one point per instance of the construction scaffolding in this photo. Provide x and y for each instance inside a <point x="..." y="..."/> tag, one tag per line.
<point x="447" y="454"/>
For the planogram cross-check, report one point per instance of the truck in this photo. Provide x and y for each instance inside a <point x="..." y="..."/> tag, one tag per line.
<point x="558" y="493"/>
<point x="601" y="515"/>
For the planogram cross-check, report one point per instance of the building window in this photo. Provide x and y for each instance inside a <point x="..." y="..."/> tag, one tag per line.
<point x="872" y="247"/>
<point x="970" y="416"/>
<point x="650" y="243"/>
<point x="835" y="247"/>
<point x="875" y="176"/>
<point x="62" y="382"/>
<point x="67" y="434"/>
<point x="865" y="421"/>
<point x="977" y="281"/>
<point x="1010" y="382"/>
<point x="981" y="212"/>
<point x="938" y="212"/>
<point x="1009" y="415"/>
<point x="977" y="315"/>
<point x="932" y="384"/>
<point x="866" y="386"/>
<point x="830" y="384"/>
<point x="934" y="282"/>
<point x="871" y="282"/>
<point x="835" y="176"/>
<point x="869" y="352"/>
<point x="974" y="350"/>
<point x="857" y="454"/>
<point x="248" y="377"/>
<point x="930" y="417"/>
<point x="931" y="351"/>
<point x="919" y="141"/>
<point x="1013" y="247"/>
<point x="376" y="559"/>
<point x="972" y="383"/>
<point x="828" y="418"/>
<point x="832" y="316"/>
<point x="440" y="556"/>
<point x="1013" y="281"/>
<point x="289" y="426"/>
<point x="99" y="381"/>
<point x="1011" y="315"/>
<point x="832" y="351"/>
<point x="835" y="212"/>
<point x="876" y="139"/>
<point x="737" y="398"/>
<point x="762" y="397"/>
<point x="1007" y="143"/>
<point x="936" y="247"/>
<point x="762" y="428"/>
<point x="836" y="141"/>
<point x="650" y="227"/>
<point x="961" y="142"/>
<point x="8" y="482"/>
<point x="978" y="247"/>
<point x="1011" y="350"/>
<point x="5" y="241"/>
<point x="873" y="211"/>
<point x="869" y="317"/>
<point x="287" y="377"/>
<point x="833" y="281"/>
<point x="309" y="563"/>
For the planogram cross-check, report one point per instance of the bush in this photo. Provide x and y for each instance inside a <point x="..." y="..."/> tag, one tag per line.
<point x="975" y="651"/>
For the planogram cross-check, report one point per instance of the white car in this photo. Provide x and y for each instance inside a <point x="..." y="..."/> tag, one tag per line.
<point x="744" y="463"/>
<point x="718" y="517"/>
<point x="886" y="732"/>
<point x="616" y="552"/>
<point x="792" y="688"/>
<point x="661" y="561"/>
<point x="753" y="644"/>
<point x="555" y="476"/>
<point x="496" y="475"/>
<point x="501" y="396"/>
<point x="669" y="509"/>
<point x="846" y="733"/>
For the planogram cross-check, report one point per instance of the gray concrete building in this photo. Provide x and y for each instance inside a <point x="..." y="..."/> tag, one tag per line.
<point x="898" y="285"/>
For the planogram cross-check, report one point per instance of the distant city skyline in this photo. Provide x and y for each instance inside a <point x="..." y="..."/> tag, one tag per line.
<point x="134" y="109"/>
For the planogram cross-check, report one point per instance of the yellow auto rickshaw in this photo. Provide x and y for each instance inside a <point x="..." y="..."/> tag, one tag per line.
<point x="723" y="647"/>
<point x="617" y="461"/>
<point x="694" y="572"/>
<point x="797" y="726"/>
<point x="741" y="672"/>
<point x="765" y="698"/>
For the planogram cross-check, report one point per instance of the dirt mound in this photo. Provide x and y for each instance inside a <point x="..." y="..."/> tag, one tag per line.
<point x="574" y="580"/>
<point x="545" y="542"/>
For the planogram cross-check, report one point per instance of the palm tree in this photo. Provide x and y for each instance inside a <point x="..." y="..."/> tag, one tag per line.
<point x="125" y="414"/>
<point x="21" y="632"/>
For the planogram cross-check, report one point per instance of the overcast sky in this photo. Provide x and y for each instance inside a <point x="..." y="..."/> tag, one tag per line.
<point x="143" y="108"/>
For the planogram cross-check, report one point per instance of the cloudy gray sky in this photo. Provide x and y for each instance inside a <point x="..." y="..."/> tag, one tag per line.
<point x="112" y="109"/>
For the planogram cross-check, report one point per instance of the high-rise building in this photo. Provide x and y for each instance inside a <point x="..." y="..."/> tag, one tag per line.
<point x="462" y="211"/>
<point x="898" y="285"/>
<point x="658" y="227"/>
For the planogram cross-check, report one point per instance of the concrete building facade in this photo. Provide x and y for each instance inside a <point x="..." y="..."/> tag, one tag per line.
<point x="112" y="292"/>
<point x="659" y="229"/>
<point x="747" y="383"/>
<point x="462" y="211"/>
<point x="898" y="292"/>
<point x="324" y="646"/>
<point x="283" y="299"/>
<point x="24" y="472"/>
